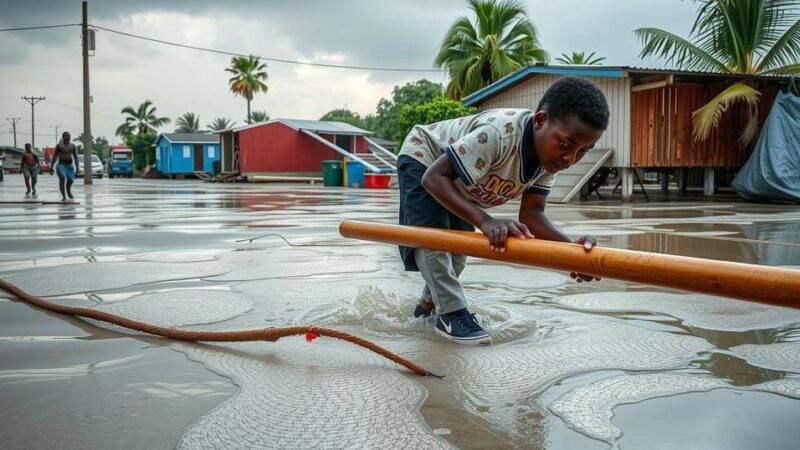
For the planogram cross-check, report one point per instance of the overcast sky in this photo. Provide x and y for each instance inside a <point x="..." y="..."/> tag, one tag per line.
<point x="375" y="33"/>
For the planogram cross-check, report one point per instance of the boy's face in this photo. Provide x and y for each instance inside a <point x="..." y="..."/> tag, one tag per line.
<point x="562" y="143"/>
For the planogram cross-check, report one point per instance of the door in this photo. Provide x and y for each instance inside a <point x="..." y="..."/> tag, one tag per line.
<point x="198" y="158"/>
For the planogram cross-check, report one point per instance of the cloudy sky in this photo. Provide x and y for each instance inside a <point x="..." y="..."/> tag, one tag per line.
<point x="374" y="33"/>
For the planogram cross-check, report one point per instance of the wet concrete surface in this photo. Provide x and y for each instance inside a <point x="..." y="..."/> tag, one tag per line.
<point x="574" y="366"/>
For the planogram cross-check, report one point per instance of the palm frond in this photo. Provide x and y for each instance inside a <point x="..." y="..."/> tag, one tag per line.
<point x="785" y="51"/>
<point x="707" y="117"/>
<point x="676" y="50"/>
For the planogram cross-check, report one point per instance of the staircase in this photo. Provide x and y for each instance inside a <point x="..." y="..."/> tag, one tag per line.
<point x="385" y="164"/>
<point x="570" y="181"/>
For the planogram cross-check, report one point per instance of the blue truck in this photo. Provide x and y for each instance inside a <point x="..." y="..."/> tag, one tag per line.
<point x="120" y="162"/>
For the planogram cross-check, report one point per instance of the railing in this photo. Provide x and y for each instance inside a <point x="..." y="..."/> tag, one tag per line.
<point x="338" y="149"/>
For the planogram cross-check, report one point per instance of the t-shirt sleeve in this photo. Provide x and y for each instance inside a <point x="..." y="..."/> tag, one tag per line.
<point x="473" y="155"/>
<point x="542" y="184"/>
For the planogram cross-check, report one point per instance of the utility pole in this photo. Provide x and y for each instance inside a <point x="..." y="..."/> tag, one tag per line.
<point x="13" y="121"/>
<point x="87" y="43"/>
<point x="33" y="101"/>
<point x="56" y="128"/>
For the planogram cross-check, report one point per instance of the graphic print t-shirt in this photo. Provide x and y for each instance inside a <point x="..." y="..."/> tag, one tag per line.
<point x="488" y="152"/>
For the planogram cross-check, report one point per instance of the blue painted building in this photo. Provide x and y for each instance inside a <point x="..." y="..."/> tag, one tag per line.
<point x="186" y="153"/>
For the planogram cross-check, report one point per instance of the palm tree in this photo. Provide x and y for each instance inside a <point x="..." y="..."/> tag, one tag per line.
<point x="188" y="123"/>
<point x="501" y="41"/>
<point x="220" y="123"/>
<point x="249" y="78"/>
<point x="580" y="58"/>
<point x="140" y="120"/>
<point x="259" y="116"/>
<point x="750" y="37"/>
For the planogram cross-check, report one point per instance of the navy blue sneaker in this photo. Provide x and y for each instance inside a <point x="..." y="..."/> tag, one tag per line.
<point x="420" y="312"/>
<point x="461" y="327"/>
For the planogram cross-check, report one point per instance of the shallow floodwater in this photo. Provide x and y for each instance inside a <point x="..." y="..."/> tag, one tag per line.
<point x="573" y="366"/>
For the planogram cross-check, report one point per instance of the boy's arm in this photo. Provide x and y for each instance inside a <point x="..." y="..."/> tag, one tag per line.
<point x="75" y="156"/>
<point x="531" y="213"/>
<point x="439" y="182"/>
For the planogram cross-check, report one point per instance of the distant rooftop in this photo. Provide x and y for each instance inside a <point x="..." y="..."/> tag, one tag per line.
<point x="192" y="138"/>
<point x="317" y="126"/>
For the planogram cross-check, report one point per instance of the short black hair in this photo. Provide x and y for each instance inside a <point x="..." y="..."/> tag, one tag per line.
<point x="571" y="96"/>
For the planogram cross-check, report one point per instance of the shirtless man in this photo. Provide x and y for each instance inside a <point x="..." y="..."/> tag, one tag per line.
<point x="29" y="166"/>
<point x="65" y="162"/>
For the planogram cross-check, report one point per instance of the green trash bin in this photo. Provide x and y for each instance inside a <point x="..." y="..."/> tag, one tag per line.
<point x="332" y="172"/>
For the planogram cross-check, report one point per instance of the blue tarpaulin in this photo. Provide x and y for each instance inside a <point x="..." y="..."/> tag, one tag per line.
<point x="773" y="170"/>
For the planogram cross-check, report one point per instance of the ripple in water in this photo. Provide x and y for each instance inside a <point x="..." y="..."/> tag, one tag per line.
<point x="704" y="311"/>
<point x="390" y="315"/>
<point x="784" y="356"/>
<point x="321" y="395"/>
<point x="179" y="308"/>
<point x="589" y="409"/>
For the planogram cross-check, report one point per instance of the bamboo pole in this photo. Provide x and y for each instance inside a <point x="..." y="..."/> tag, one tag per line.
<point x="764" y="284"/>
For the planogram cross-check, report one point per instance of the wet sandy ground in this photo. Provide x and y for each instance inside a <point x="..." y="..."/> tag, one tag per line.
<point x="574" y="366"/>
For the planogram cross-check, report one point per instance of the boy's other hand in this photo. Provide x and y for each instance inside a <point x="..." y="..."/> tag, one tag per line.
<point x="588" y="242"/>
<point x="498" y="230"/>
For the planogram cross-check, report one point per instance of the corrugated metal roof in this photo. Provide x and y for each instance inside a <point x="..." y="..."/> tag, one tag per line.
<point x="589" y="71"/>
<point x="191" y="138"/>
<point x="317" y="126"/>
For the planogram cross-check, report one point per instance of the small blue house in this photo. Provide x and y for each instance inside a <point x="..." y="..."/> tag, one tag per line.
<point x="186" y="153"/>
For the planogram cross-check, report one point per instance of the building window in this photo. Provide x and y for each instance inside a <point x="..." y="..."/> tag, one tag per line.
<point x="210" y="151"/>
<point x="187" y="151"/>
<point x="158" y="153"/>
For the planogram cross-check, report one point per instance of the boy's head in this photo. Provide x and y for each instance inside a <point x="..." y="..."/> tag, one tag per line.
<point x="65" y="137"/>
<point x="570" y="118"/>
<point x="28" y="148"/>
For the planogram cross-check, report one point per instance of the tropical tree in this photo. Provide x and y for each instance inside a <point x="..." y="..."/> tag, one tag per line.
<point x="259" y="116"/>
<point x="188" y="123"/>
<point x="384" y="122"/>
<point x="749" y="37"/>
<point x="220" y="123"/>
<point x="501" y="40"/>
<point x="344" y="115"/>
<point x="580" y="58"/>
<point x="140" y="120"/>
<point x="249" y="78"/>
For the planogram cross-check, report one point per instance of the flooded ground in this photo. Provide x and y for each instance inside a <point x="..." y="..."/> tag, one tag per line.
<point x="574" y="366"/>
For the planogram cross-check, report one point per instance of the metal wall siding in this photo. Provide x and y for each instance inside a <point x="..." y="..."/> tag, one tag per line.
<point x="277" y="148"/>
<point x="617" y="91"/>
<point x="662" y="125"/>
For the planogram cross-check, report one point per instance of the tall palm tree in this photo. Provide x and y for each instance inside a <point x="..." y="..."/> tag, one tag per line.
<point x="580" y="58"/>
<point x="249" y="78"/>
<point x="188" y="123"/>
<point x="259" y="116"/>
<point x="220" y="123"/>
<point x="750" y="37"/>
<point x="501" y="40"/>
<point x="140" y="120"/>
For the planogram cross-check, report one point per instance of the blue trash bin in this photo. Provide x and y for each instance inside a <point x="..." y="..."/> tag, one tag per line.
<point x="355" y="174"/>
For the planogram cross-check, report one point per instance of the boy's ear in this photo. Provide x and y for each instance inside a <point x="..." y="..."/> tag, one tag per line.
<point x="539" y="120"/>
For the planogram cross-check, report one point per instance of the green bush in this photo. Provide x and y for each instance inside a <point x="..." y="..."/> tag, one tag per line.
<point x="438" y="109"/>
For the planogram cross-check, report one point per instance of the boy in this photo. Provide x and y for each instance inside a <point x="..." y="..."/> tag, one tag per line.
<point x="29" y="166"/>
<point x="65" y="163"/>
<point x="449" y="171"/>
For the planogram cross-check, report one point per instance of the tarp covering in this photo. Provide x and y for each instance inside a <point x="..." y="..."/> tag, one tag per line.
<point x="773" y="170"/>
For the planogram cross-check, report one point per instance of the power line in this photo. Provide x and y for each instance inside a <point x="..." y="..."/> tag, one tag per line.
<point x="40" y="27"/>
<point x="287" y="61"/>
<point x="63" y="105"/>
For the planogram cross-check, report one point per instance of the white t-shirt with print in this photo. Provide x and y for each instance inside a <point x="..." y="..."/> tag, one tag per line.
<point x="487" y="152"/>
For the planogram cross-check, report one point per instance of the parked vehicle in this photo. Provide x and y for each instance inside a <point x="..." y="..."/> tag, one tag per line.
<point x="97" y="167"/>
<point x="120" y="162"/>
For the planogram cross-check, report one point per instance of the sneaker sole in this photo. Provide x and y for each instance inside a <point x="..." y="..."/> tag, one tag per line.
<point x="486" y="340"/>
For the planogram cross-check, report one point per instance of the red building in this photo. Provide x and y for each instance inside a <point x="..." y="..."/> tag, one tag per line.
<point x="291" y="147"/>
